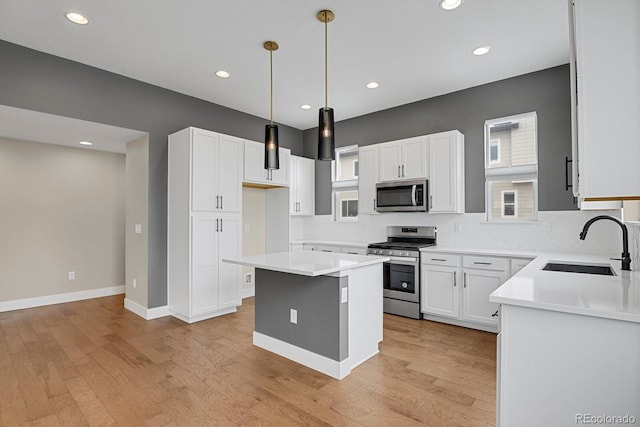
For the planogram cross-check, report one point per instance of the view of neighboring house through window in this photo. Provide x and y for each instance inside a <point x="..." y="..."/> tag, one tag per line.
<point x="511" y="168"/>
<point x="345" y="183"/>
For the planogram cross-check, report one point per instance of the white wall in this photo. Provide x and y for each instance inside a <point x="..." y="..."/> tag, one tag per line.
<point x="555" y="231"/>
<point x="137" y="212"/>
<point x="62" y="209"/>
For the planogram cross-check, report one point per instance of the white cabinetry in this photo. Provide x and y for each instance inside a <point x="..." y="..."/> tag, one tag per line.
<point x="367" y="179"/>
<point x="204" y="219"/>
<point x="302" y="186"/>
<point x="455" y="288"/>
<point x="518" y="264"/>
<point x="403" y="159"/>
<point x="254" y="171"/>
<point x="605" y="78"/>
<point x="446" y="172"/>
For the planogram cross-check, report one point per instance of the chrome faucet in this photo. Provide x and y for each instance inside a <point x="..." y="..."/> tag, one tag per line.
<point x="626" y="258"/>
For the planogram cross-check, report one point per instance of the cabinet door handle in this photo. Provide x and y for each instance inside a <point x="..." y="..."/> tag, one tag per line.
<point x="374" y="203"/>
<point x="430" y="202"/>
<point x="566" y="174"/>
<point x="399" y="171"/>
<point x="464" y="280"/>
<point x="217" y="202"/>
<point x="438" y="259"/>
<point x="299" y="207"/>
<point x="454" y="279"/>
<point x="403" y="170"/>
<point x="220" y="202"/>
<point x="496" y="314"/>
<point x="217" y="230"/>
<point x="221" y="225"/>
<point x="482" y="263"/>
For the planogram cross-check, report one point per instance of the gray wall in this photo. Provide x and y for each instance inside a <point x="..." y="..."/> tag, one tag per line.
<point x="37" y="81"/>
<point x="323" y="321"/>
<point x="546" y="92"/>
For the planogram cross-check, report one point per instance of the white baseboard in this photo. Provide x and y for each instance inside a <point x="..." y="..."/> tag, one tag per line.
<point x="323" y="364"/>
<point x="146" y="313"/>
<point x="20" y="304"/>
<point x="247" y="292"/>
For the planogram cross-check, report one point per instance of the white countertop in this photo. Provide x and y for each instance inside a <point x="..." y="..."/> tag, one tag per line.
<point x="613" y="297"/>
<point x="307" y="263"/>
<point x="510" y="253"/>
<point x="331" y="243"/>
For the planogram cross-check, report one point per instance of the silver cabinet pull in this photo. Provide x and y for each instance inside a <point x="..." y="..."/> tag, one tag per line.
<point x="399" y="171"/>
<point x="402" y="170"/>
<point x="220" y="202"/>
<point x="217" y="225"/>
<point x="454" y="279"/>
<point x="438" y="259"/>
<point x="374" y="203"/>
<point x="221" y="225"/>
<point x="482" y="263"/>
<point x="464" y="280"/>
<point x="217" y="202"/>
<point x="430" y="202"/>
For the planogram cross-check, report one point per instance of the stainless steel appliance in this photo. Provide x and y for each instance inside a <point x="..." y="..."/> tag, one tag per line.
<point x="401" y="275"/>
<point x="402" y="196"/>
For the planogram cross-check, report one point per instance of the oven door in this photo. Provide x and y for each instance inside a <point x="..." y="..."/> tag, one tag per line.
<point x="401" y="279"/>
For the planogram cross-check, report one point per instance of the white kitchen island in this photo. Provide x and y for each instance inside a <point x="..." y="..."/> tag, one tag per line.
<point x="320" y="309"/>
<point x="569" y="346"/>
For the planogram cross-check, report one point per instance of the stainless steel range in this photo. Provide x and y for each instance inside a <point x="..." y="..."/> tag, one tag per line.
<point x="402" y="274"/>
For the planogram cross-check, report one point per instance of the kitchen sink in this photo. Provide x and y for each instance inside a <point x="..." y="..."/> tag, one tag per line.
<point x="601" y="269"/>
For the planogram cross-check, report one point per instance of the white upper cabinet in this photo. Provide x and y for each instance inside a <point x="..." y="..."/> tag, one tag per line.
<point x="605" y="80"/>
<point x="216" y="167"/>
<point x="367" y="178"/>
<point x="254" y="171"/>
<point x="302" y="189"/>
<point x="446" y="172"/>
<point x="403" y="159"/>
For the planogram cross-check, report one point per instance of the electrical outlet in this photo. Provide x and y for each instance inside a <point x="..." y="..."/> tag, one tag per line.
<point x="72" y="275"/>
<point x="248" y="278"/>
<point x="135" y="284"/>
<point x="457" y="227"/>
<point x="293" y="316"/>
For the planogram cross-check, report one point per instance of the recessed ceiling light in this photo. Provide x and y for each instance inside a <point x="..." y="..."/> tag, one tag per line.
<point x="222" y="74"/>
<point x="482" y="50"/>
<point x="77" y="18"/>
<point x="450" y="4"/>
<point x="305" y="106"/>
<point x="85" y="143"/>
<point x="373" y="85"/>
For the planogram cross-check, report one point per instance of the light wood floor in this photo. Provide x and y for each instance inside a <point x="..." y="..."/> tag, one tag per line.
<point x="94" y="363"/>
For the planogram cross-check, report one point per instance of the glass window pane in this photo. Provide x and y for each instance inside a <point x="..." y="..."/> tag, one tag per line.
<point x="347" y="201"/>
<point x="513" y="200"/>
<point x="516" y="141"/>
<point x="346" y="158"/>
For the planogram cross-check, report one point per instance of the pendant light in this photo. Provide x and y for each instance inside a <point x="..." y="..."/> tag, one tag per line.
<point x="271" y="147"/>
<point x="326" y="136"/>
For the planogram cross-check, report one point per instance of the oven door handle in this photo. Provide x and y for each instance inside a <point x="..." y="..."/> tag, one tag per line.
<point x="413" y="195"/>
<point x="404" y="260"/>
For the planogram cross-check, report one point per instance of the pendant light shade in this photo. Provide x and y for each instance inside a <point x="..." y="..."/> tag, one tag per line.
<point x="271" y="156"/>
<point x="326" y="141"/>
<point x="326" y="134"/>
<point x="271" y="146"/>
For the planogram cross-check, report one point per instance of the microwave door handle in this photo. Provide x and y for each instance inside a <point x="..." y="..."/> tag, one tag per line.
<point x="413" y="195"/>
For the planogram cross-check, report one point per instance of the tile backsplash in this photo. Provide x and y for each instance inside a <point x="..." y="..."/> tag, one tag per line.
<point x="555" y="231"/>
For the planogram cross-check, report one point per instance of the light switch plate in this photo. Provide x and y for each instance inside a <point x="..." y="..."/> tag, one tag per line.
<point x="138" y="228"/>
<point x="345" y="295"/>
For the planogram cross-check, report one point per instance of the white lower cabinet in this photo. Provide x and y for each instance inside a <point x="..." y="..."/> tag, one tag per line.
<point x="455" y="289"/>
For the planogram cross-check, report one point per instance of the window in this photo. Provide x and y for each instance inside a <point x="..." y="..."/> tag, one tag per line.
<point x="511" y="168"/>
<point x="509" y="205"/>
<point x="494" y="151"/>
<point x="344" y="172"/>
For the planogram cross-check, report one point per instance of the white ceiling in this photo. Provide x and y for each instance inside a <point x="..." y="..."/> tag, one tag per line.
<point x="413" y="48"/>
<point x="16" y="123"/>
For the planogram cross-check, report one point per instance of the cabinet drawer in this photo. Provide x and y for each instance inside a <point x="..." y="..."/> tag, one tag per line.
<point x="440" y="259"/>
<point x="484" y="262"/>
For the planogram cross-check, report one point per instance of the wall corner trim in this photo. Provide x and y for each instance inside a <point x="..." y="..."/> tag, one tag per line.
<point x="146" y="313"/>
<point x="23" y="303"/>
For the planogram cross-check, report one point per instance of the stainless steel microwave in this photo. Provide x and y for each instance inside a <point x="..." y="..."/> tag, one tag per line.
<point x="402" y="196"/>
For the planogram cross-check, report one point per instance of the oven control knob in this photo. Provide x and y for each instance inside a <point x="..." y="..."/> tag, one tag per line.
<point x="379" y="251"/>
<point x="392" y="253"/>
<point x="404" y="285"/>
<point x="406" y="254"/>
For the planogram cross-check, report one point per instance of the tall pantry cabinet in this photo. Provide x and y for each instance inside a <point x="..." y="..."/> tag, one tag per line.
<point x="204" y="223"/>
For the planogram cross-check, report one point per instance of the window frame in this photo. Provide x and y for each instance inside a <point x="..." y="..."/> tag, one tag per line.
<point x="498" y="151"/>
<point x="342" y="185"/>
<point x="516" y="174"/>
<point x="514" y="203"/>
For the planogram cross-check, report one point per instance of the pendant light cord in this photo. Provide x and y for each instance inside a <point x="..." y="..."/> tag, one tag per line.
<point x="271" y="86"/>
<point x="326" y="72"/>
